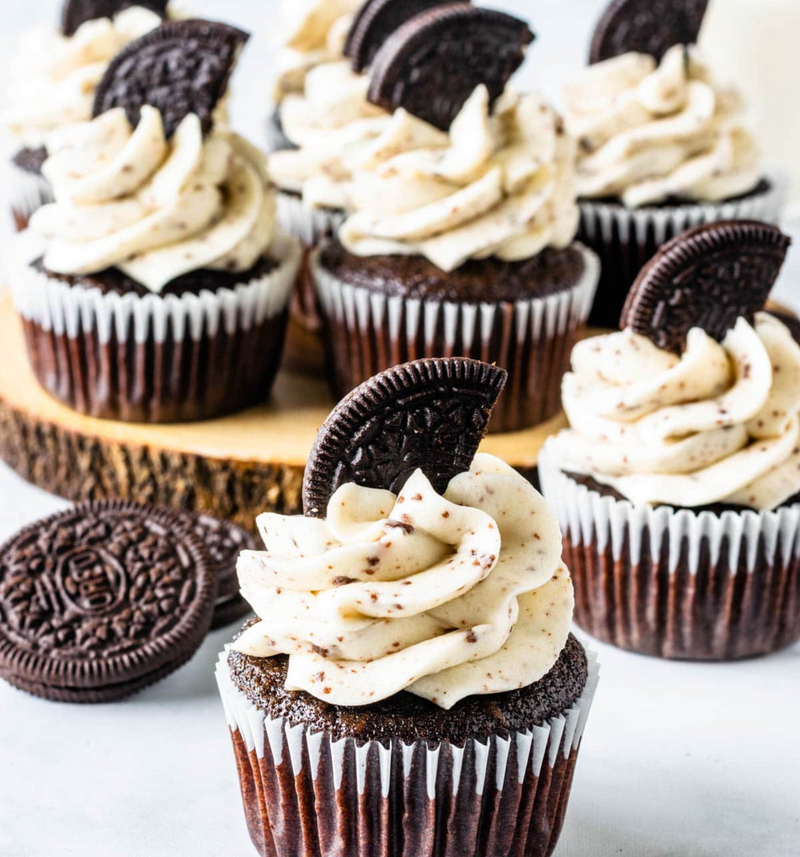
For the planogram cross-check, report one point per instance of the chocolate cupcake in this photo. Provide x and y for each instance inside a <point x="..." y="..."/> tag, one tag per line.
<point x="54" y="76"/>
<point x="163" y="288"/>
<point x="410" y="685"/>
<point x="460" y="242"/>
<point x="678" y="484"/>
<point x="662" y="145"/>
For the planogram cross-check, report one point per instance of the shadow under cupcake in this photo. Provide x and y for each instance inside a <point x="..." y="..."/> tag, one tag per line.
<point x="662" y="146"/>
<point x="678" y="484"/>
<point x="442" y="711"/>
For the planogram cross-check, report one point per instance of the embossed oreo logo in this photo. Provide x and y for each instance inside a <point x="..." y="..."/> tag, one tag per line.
<point x="92" y="581"/>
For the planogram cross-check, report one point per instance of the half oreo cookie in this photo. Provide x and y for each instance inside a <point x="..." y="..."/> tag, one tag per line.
<point x="647" y="27"/>
<point x="433" y="63"/>
<point x="181" y="67"/>
<point x="707" y="277"/>
<point x="78" y="12"/>
<point x="430" y="414"/>
<point x="101" y="601"/>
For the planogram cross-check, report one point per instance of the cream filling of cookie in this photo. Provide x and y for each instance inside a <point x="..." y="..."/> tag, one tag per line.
<point x="55" y="76"/>
<point x="443" y="596"/>
<point x="315" y="32"/>
<point x="152" y="207"/>
<point x="650" y="132"/>
<point x="499" y="184"/>
<point x="721" y="423"/>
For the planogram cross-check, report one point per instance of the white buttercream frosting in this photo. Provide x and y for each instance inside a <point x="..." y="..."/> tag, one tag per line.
<point x="647" y="132"/>
<point x="720" y="423"/>
<point x="499" y="184"/>
<point x="55" y="76"/>
<point x="443" y="596"/>
<point x="155" y="208"/>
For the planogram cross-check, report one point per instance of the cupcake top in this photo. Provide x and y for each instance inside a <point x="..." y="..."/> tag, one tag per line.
<point x="653" y="131"/>
<point x="54" y="75"/>
<point x="152" y="187"/>
<point x="711" y="417"/>
<point x="420" y="566"/>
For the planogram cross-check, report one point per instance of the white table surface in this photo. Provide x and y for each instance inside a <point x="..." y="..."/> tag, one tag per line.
<point x="679" y="760"/>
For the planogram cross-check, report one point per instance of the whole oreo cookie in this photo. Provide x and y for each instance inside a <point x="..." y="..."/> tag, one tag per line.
<point x="432" y="63"/>
<point x="101" y="601"/>
<point x="430" y="414"/>
<point x="181" y="67"/>
<point x="707" y="277"/>
<point x="77" y="12"/>
<point x="375" y="21"/>
<point x="224" y="541"/>
<point x="647" y="27"/>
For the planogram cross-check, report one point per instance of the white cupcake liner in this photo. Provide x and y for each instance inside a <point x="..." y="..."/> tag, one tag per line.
<point x="126" y="356"/>
<point x="309" y="225"/>
<point x="674" y="582"/>
<point x="25" y="193"/>
<point x="307" y="793"/>
<point x="369" y="332"/>
<point x="625" y="239"/>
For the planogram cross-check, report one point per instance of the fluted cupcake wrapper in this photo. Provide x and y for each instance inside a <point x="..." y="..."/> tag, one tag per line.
<point x="625" y="239"/>
<point x="306" y="794"/>
<point x="677" y="583"/>
<point x="367" y="332"/>
<point x="25" y="192"/>
<point x="157" y="358"/>
<point x="310" y="226"/>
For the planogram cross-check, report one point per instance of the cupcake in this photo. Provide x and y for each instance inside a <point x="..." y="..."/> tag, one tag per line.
<point x="410" y="684"/>
<point x="677" y="485"/>
<point x="460" y="241"/>
<point x="162" y="289"/>
<point x="662" y="146"/>
<point x="53" y="80"/>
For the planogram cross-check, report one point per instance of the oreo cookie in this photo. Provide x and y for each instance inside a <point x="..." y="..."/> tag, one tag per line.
<point x="181" y="67"/>
<point x="433" y="63"/>
<point x="101" y="601"/>
<point x="430" y="414"/>
<point x="707" y="277"/>
<point x="77" y="12"/>
<point x="374" y="22"/>
<point x="224" y="541"/>
<point x="647" y="27"/>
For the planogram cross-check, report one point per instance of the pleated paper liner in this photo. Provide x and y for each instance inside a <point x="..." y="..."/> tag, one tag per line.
<point x="676" y="583"/>
<point x="310" y="226"/>
<point x="305" y="793"/>
<point x="367" y="332"/>
<point x="25" y="192"/>
<point x="157" y="359"/>
<point x="625" y="239"/>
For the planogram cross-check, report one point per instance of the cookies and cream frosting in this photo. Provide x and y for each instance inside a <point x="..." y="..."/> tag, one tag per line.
<point x="444" y="596"/>
<point x="154" y="208"/>
<point x="55" y="76"/>
<point x="647" y="132"/>
<point x="718" y="424"/>
<point x="500" y="183"/>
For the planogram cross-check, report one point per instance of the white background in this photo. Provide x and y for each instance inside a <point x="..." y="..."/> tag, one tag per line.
<point x="679" y="760"/>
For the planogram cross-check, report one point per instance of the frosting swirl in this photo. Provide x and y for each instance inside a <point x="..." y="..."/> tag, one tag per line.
<point x="498" y="184"/>
<point x="56" y="75"/>
<point x="155" y="209"/>
<point x="443" y="596"/>
<point x="721" y="423"/>
<point x="333" y="124"/>
<point x="647" y="132"/>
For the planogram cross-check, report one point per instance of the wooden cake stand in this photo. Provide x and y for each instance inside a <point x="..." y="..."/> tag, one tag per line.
<point x="234" y="467"/>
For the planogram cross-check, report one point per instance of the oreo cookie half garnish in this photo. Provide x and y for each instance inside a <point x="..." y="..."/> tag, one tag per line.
<point x="432" y="63"/>
<point x="430" y="414"/>
<point x="375" y="21"/>
<point x="101" y="601"/>
<point x="77" y="12"/>
<point x="707" y="277"/>
<point x="647" y="27"/>
<point x="181" y="67"/>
